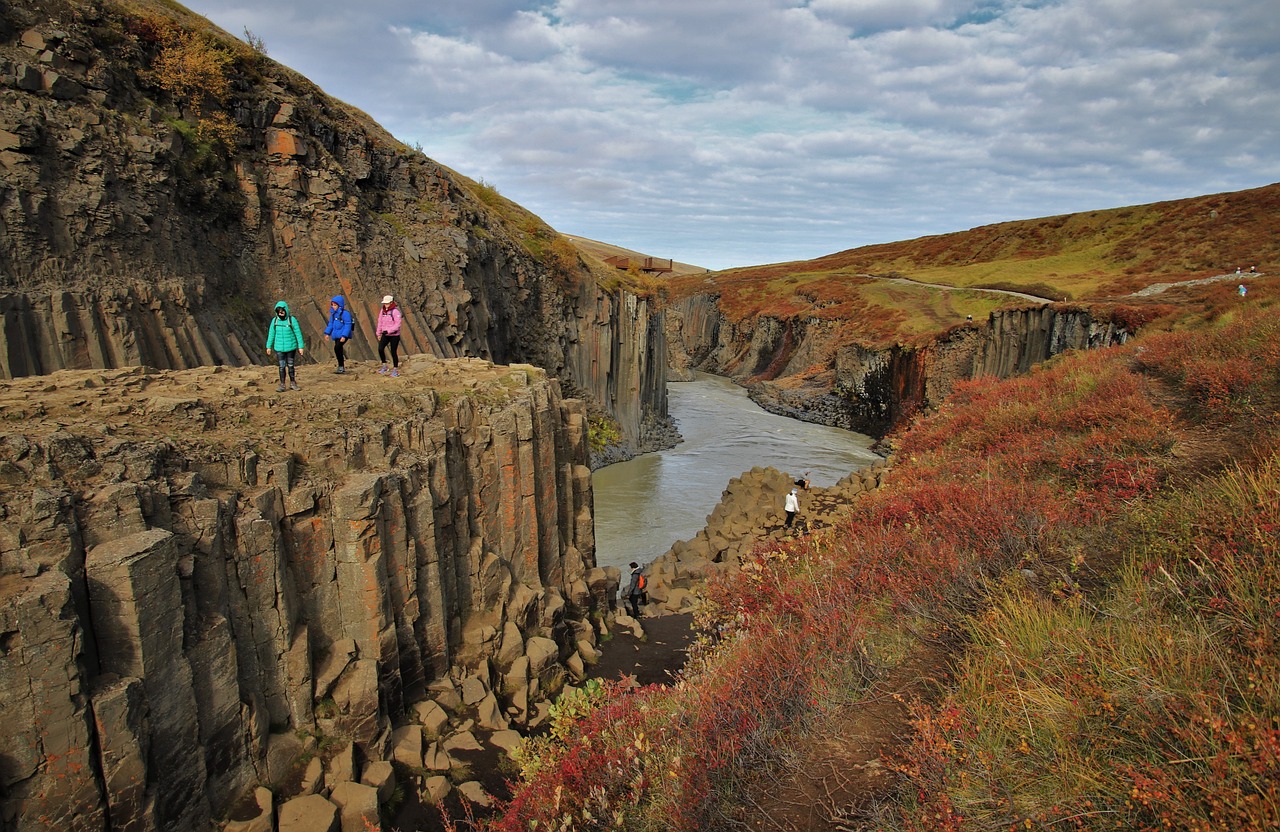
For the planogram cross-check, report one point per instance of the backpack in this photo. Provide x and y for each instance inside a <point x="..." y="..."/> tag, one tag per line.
<point x="642" y="583"/>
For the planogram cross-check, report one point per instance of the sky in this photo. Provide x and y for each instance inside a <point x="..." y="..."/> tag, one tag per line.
<point x="740" y="132"/>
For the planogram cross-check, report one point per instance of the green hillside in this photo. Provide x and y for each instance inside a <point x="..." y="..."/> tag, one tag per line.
<point x="886" y="291"/>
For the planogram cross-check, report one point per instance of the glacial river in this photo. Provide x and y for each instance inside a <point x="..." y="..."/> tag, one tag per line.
<point x="644" y="505"/>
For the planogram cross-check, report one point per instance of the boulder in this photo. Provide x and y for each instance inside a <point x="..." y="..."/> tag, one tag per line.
<point x="406" y="746"/>
<point x="588" y="652"/>
<point x="627" y="622"/>
<point x="309" y="813"/>
<point x="313" y="777"/>
<point x="508" y="741"/>
<point x="283" y="753"/>
<point x="436" y="789"/>
<point x="449" y="699"/>
<point x="489" y="715"/>
<point x="540" y="651"/>
<point x="263" y="821"/>
<point x="436" y="758"/>
<point x="358" y="807"/>
<point x="474" y="792"/>
<point x="681" y="600"/>
<point x="473" y="690"/>
<point x="576" y="667"/>
<point x="341" y="766"/>
<point x="431" y="717"/>
<point x="462" y="741"/>
<point x="380" y="775"/>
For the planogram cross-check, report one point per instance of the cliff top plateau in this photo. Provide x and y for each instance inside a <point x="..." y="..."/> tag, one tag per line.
<point x="238" y="408"/>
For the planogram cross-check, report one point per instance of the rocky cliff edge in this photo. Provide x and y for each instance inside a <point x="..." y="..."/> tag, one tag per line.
<point x="196" y="570"/>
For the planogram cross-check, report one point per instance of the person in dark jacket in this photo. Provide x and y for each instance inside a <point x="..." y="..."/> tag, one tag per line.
<point x="339" y="330"/>
<point x="284" y="337"/>
<point x="634" y="591"/>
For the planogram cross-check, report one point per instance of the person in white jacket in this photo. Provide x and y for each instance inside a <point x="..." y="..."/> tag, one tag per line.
<point x="792" y="506"/>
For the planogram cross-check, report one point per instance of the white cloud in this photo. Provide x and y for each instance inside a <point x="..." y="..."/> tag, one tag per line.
<point x="726" y="132"/>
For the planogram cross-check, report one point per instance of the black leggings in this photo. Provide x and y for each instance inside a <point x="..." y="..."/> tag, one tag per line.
<point x="394" y="342"/>
<point x="340" y="352"/>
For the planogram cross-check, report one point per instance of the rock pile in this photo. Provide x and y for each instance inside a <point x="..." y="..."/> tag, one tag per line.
<point x="749" y="512"/>
<point x="317" y="784"/>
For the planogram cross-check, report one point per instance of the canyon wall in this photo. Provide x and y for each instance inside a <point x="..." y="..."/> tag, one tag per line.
<point x="194" y="569"/>
<point x="865" y="389"/>
<point x="146" y="222"/>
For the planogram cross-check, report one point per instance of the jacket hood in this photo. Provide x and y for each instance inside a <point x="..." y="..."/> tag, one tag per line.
<point x="338" y="299"/>
<point x="282" y="305"/>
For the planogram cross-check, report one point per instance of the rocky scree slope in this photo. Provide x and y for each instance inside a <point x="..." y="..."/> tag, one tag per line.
<point x="194" y="569"/>
<point x="162" y="185"/>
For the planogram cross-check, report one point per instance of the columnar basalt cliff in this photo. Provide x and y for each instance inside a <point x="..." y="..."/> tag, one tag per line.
<point x="151" y="220"/>
<point x="194" y="570"/>
<point x="801" y="368"/>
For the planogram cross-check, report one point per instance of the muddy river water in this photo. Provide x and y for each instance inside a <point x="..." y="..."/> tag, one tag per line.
<point x="646" y="504"/>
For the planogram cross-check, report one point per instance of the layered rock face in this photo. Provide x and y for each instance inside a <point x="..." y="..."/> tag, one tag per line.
<point x="194" y="567"/>
<point x="863" y="389"/>
<point x="150" y="220"/>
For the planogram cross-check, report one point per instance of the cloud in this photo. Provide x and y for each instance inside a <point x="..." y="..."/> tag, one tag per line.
<point x="727" y="132"/>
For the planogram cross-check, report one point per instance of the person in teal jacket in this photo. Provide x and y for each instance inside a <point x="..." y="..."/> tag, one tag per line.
<point x="284" y="337"/>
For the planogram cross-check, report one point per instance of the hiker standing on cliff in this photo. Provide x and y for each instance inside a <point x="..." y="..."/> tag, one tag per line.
<point x="791" y="506"/>
<point x="339" y="330"/>
<point x="284" y="337"/>
<point x="388" y="334"/>
<point x="635" y="591"/>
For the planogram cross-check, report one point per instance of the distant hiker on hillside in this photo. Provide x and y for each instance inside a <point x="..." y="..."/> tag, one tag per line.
<point x="339" y="330"/>
<point x="388" y="334"/>
<point x="285" y="339"/>
<point x="791" y="506"/>
<point x="635" y="591"/>
<point x="1242" y="289"/>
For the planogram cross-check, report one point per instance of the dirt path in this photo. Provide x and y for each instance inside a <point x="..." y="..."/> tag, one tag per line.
<point x="906" y="281"/>
<point x="655" y="660"/>
<point x="1157" y="288"/>
<point x="830" y="780"/>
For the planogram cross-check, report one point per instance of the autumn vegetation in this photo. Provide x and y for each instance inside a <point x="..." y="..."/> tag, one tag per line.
<point x="906" y="291"/>
<point x="1087" y="551"/>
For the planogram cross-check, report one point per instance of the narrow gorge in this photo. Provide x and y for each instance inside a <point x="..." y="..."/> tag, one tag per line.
<point x="803" y="368"/>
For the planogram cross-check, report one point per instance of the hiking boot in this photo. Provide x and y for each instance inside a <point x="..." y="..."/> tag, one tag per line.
<point x="395" y="373"/>
<point x="340" y="370"/>
<point x="280" y="387"/>
<point x="293" y="385"/>
<point x="382" y="371"/>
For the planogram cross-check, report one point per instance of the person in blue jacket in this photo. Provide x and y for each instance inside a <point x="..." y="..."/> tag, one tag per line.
<point x="339" y="330"/>
<point x="284" y="337"/>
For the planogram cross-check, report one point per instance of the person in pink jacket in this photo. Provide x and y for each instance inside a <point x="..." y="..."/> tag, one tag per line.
<point x="388" y="332"/>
